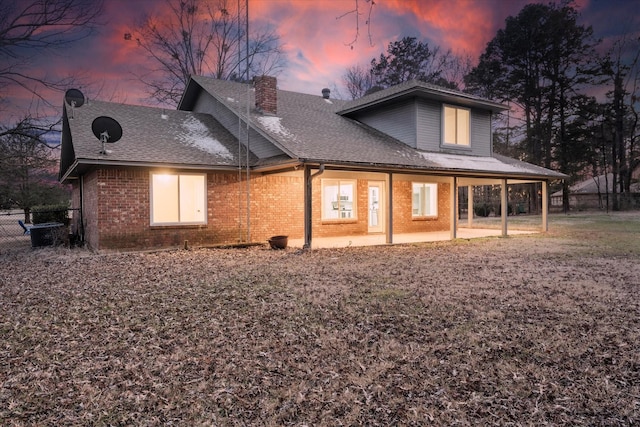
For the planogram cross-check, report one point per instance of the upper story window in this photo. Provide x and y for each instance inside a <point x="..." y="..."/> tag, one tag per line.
<point x="456" y="124"/>
<point x="178" y="199"/>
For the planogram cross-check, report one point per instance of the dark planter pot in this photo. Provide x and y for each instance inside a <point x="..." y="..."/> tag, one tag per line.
<point x="279" y="242"/>
<point x="47" y="234"/>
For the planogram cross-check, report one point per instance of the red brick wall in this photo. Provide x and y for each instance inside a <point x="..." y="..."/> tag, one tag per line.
<point x="117" y="210"/>
<point x="330" y="228"/>
<point x="277" y="206"/>
<point x="403" y="222"/>
<point x="124" y="213"/>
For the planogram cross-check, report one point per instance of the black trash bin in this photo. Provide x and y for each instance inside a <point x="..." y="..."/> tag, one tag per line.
<point x="47" y="234"/>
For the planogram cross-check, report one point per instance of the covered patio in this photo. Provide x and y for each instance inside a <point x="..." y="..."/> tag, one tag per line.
<point x="464" y="224"/>
<point x="381" y="239"/>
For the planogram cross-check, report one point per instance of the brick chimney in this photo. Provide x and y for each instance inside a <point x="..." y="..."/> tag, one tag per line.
<point x="266" y="94"/>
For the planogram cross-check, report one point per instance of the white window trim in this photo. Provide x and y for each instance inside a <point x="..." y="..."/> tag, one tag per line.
<point x="338" y="181"/>
<point x="434" y="197"/>
<point x="456" y="144"/>
<point x="178" y="223"/>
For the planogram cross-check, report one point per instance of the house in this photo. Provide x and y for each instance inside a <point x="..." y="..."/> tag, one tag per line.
<point x="592" y="193"/>
<point x="241" y="163"/>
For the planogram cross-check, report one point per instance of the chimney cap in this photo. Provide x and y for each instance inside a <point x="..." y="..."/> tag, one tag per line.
<point x="326" y="92"/>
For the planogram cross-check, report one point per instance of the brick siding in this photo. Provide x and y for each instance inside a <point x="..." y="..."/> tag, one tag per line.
<point x="403" y="222"/>
<point x="117" y="208"/>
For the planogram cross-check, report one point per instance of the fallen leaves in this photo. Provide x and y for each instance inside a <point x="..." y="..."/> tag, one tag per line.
<point x="492" y="332"/>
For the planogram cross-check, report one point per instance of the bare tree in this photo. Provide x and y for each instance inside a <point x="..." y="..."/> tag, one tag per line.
<point x="454" y="68"/>
<point x="356" y="12"/>
<point x="27" y="169"/>
<point x="358" y="81"/>
<point x="31" y="28"/>
<point x="621" y="69"/>
<point x="203" y="38"/>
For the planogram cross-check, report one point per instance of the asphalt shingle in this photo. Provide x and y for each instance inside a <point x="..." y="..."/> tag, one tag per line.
<point x="153" y="135"/>
<point x="311" y="128"/>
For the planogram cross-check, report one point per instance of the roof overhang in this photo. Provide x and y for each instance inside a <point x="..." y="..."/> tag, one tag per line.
<point x="475" y="175"/>
<point x="420" y="92"/>
<point x="82" y="166"/>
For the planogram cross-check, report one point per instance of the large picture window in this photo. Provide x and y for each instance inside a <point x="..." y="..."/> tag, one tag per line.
<point x="178" y="199"/>
<point x="456" y="125"/>
<point x="425" y="199"/>
<point x="338" y="199"/>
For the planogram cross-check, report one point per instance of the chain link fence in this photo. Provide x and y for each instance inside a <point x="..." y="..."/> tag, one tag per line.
<point x="15" y="232"/>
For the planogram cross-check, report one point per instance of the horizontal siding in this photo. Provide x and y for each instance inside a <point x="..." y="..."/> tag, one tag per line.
<point x="480" y="133"/>
<point x="260" y="146"/>
<point x="397" y="121"/>
<point x="428" y="125"/>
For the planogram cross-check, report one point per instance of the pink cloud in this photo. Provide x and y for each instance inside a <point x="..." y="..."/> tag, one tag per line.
<point x="317" y="36"/>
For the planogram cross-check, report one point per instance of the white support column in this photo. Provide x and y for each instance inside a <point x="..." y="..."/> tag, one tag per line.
<point x="545" y="207"/>
<point x="504" y="207"/>
<point x="454" y="207"/>
<point x="470" y="206"/>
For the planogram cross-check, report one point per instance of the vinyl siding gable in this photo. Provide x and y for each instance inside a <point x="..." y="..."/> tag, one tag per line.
<point x="418" y="123"/>
<point x="397" y="120"/>
<point x="429" y="125"/>
<point x="481" y="133"/>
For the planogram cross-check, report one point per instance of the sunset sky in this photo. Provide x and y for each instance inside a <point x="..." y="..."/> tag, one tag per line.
<point x="315" y="38"/>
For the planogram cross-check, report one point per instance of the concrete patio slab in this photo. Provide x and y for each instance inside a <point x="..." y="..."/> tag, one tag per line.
<point x="380" y="239"/>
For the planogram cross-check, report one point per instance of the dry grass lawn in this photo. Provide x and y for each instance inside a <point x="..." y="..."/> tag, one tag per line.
<point x="534" y="330"/>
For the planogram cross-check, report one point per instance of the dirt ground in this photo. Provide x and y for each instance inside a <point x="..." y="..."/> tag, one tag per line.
<point x="532" y="330"/>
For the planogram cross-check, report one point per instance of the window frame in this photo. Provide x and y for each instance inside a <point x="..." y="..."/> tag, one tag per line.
<point x="457" y="142"/>
<point x="203" y="202"/>
<point x="433" y="196"/>
<point x="324" y="204"/>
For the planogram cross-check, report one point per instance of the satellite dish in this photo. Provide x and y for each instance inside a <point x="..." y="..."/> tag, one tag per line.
<point x="74" y="97"/>
<point x="106" y="130"/>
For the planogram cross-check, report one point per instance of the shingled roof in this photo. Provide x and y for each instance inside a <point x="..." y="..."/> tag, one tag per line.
<point x="150" y="137"/>
<point x="311" y="128"/>
<point x="417" y="88"/>
<point x="305" y="128"/>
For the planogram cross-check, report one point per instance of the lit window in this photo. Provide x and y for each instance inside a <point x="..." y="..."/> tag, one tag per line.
<point x="425" y="199"/>
<point x="456" y="125"/>
<point x="338" y="199"/>
<point x="178" y="199"/>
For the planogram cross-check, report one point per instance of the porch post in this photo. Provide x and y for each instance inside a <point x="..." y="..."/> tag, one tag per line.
<point x="390" y="209"/>
<point x="454" y="207"/>
<point x="504" y="207"/>
<point x="307" y="207"/>
<point x="470" y="206"/>
<point x="545" y="207"/>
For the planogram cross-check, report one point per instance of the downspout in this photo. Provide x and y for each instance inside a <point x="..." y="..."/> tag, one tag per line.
<point x="308" y="191"/>
<point x="81" y="228"/>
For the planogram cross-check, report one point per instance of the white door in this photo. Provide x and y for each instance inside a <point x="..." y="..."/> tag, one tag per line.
<point x="376" y="206"/>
